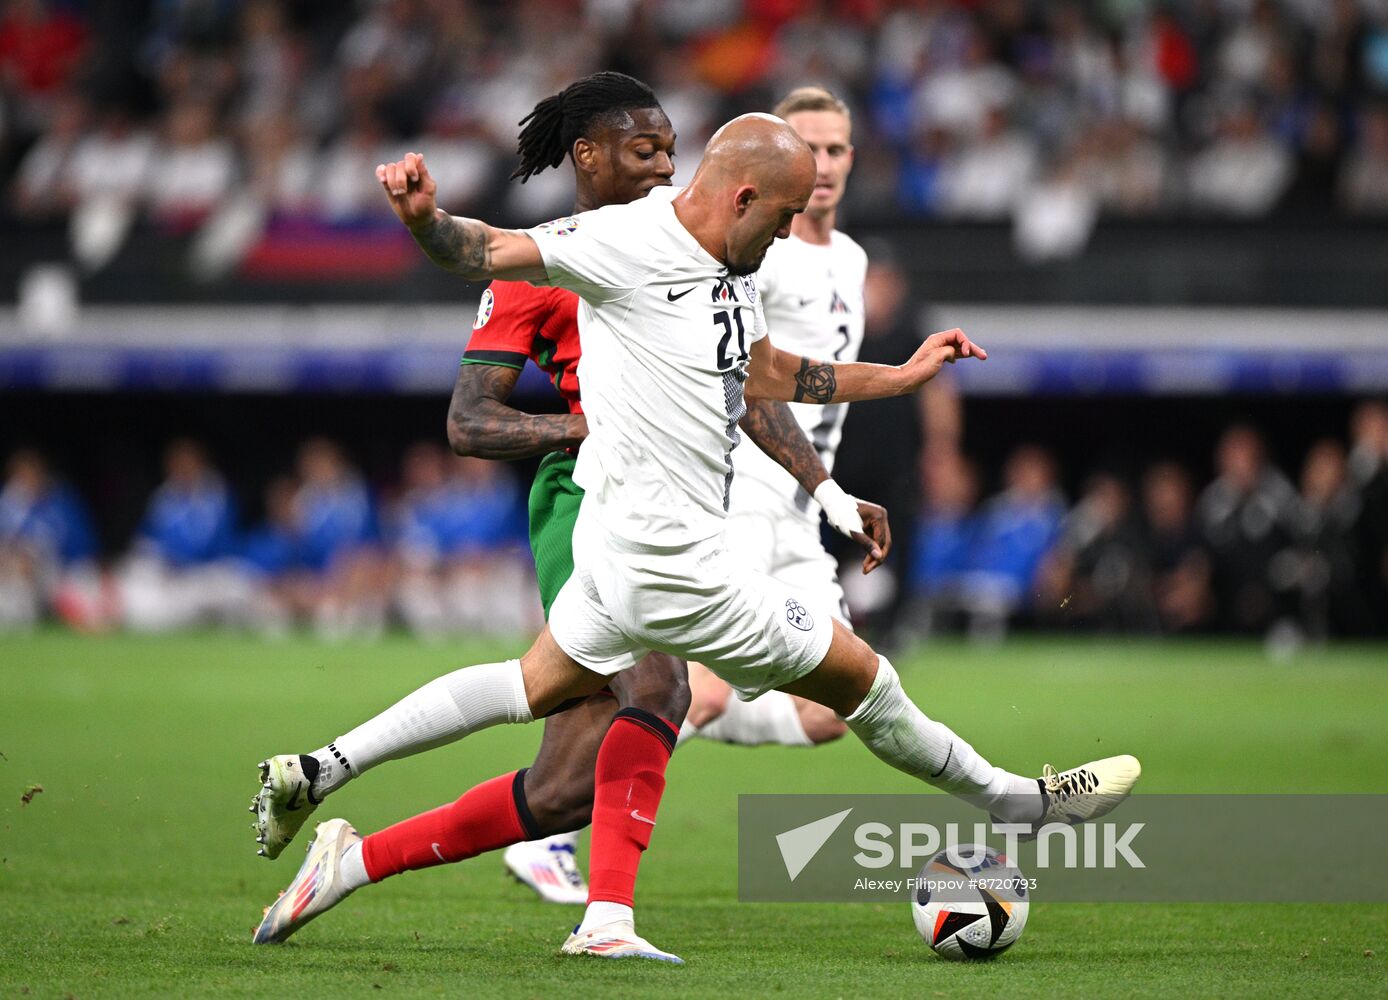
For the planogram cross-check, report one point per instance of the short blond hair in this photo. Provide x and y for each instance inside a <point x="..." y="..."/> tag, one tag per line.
<point x="810" y="99"/>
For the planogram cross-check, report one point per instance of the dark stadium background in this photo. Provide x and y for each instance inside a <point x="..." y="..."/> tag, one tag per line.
<point x="110" y="351"/>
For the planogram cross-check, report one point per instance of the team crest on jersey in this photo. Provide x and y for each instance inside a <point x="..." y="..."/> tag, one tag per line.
<point x="838" y="305"/>
<point x="484" y="309"/>
<point x="798" y="616"/>
<point x="561" y="227"/>
<point x="725" y="291"/>
<point x="749" y="288"/>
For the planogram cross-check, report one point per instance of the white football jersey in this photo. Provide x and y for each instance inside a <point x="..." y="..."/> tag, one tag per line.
<point x="812" y="296"/>
<point x="666" y="334"/>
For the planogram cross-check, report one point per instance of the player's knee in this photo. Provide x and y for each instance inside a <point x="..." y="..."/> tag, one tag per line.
<point x="821" y="725"/>
<point x="660" y="686"/>
<point x="559" y="803"/>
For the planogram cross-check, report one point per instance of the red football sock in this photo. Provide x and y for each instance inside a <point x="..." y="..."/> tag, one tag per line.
<point x="630" y="777"/>
<point x="485" y="818"/>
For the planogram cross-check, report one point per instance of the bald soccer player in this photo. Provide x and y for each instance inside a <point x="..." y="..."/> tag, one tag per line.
<point x="673" y="336"/>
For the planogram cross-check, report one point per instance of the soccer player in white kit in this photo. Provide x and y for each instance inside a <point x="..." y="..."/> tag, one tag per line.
<point x="673" y="335"/>
<point x="811" y="287"/>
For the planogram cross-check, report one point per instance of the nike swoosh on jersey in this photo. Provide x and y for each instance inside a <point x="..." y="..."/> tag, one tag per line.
<point x="673" y="297"/>
<point x="636" y="815"/>
<point x="805" y="302"/>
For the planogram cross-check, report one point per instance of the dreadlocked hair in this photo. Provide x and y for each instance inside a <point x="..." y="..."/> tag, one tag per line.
<point x="549" y="132"/>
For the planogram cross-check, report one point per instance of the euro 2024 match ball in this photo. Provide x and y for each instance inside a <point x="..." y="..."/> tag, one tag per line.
<point x="970" y="902"/>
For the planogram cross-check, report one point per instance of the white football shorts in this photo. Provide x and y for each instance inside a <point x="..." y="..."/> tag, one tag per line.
<point x="788" y="549"/>
<point x="704" y="602"/>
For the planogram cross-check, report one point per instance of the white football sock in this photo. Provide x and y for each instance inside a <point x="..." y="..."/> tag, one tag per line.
<point x="687" y="732"/>
<point x="899" y="733"/>
<point x="601" y="913"/>
<point x="772" y="718"/>
<point x="441" y="712"/>
<point x="352" y="868"/>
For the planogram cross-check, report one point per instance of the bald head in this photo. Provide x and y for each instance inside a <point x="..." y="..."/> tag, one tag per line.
<point x="756" y="149"/>
<point x="756" y="174"/>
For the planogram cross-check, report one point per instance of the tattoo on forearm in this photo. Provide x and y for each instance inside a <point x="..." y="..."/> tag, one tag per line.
<point x="815" y="382"/>
<point x="481" y="423"/>
<point x="455" y="244"/>
<point x="775" y="430"/>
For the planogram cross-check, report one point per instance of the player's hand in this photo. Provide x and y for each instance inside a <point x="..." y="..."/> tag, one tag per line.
<point x="876" y="536"/>
<point x="939" y="350"/>
<point x="410" y="189"/>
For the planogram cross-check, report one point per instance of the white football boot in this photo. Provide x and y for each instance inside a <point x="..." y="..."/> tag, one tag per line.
<point x="1088" y="791"/>
<point x="615" y="940"/>
<point x="282" y="805"/>
<point x="316" y="889"/>
<point x="548" y="866"/>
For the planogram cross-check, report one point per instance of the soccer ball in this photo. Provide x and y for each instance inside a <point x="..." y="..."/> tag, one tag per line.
<point x="970" y="902"/>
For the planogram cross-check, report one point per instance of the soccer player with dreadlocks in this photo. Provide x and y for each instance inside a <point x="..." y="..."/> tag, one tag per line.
<point x="596" y="753"/>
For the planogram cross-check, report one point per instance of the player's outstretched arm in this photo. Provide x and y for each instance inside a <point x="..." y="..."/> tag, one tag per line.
<point x="777" y="374"/>
<point x="467" y="247"/>
<point x="776" y="431"/>
<point x="481" y="424"/>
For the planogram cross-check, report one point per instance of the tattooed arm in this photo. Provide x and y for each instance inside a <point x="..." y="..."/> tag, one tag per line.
<point x="776" y="431"/>
<point x="777" y="374"/>
<point x="774" y="428"/>
<point x="467" y="247"/>
<point x="480" y="423"/>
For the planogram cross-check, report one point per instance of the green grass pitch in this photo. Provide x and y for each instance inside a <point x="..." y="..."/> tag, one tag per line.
<point x="133" y="872"/>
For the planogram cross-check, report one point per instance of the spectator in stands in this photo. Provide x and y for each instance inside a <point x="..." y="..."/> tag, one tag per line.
<point x="959" y="93"/>
<point x="41" y="45"/>
<point x="984" y="179"/>
<point x="280" y="164"/>
<point x="1364" y="180"/>
<point x="282" y="590"/>
<point x="945" y="535"/>
<point x="1096" y="576"/>
<point x="339" y="542"/>
<point x="114" y="161"/>
<point x="270" y="64"/>
<point x="41" y="187"/>
<point x="1178" y="563"/>
<point x="1057" y="214"/>
<point x="47" y="547"/>
<point x="1131" y="172"/>
<point x="461" y="543"/>
<point x="346" y="183"/>
<point x="105" y="179"/>
<point x="384" y="58"/>
<point x="1368" y="475"/>
<point x="1016" y="529"/>
<point x="181" y="571"/>
<point x="1244" y="171"/>
<point x="1312" y="191"/>
<point x="1320" y="565"/>
<point x="196" y="166"/>
<point x="1246" y="516"/>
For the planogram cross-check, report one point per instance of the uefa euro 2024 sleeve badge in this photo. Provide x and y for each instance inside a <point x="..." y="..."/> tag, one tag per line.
<point x="484" y="309"/>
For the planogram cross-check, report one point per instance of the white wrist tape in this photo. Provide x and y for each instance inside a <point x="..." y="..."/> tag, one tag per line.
<point x="840" y="508"/>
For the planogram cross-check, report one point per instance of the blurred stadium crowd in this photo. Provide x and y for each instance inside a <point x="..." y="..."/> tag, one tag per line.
<point x="442" y="550"/>
<point x="195" y="112"/>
